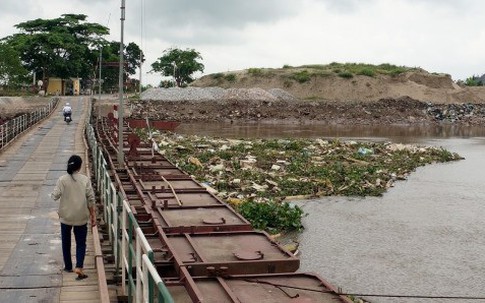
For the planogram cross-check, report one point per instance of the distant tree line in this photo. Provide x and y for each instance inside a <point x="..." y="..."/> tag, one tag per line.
<point x="70" y="47"/>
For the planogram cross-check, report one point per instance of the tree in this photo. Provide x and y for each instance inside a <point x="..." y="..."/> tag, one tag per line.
<point x="180" y="64"/>
<point x="474" y="81"/>
<point x="59" y="47"/>
<point x="133" y="57"/>
<point x="12" y="73"/>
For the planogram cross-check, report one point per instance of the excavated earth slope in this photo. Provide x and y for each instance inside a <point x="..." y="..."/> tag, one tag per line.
<point x="409" y="98"/>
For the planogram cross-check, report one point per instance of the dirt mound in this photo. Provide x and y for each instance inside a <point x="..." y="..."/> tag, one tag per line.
<point x="345" y="94"/>
<point x="311" y="83"/>
<point x="431" y="80"/>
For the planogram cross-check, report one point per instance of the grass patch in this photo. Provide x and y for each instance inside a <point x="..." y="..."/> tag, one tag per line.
<point x="346" y="75"/>
<point x="367" y="72"/>
<point x="357" y="69"/>
<point x="316" y="66"/>
<point x="255" y="71"/>
<point x="217" y="76"/>
<point x="230" y="77"/>
<point x="312" y="98"/>
<point x="301" y="76"/>
<point x="261" y="72"/>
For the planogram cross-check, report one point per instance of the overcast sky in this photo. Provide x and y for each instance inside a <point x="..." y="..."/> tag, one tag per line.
<point x="443" y="36"/>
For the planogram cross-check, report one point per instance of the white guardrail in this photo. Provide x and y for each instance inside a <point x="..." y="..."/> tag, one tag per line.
<point x="14" y="127"/>
<point x="131" y="249"/>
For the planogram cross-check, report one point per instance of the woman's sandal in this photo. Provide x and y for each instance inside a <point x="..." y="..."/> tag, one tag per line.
<point x="80" y="274"/>
<point x="81" y="277"/>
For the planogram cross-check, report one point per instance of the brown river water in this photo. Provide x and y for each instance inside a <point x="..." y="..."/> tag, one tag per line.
<point x="424" y="238"/>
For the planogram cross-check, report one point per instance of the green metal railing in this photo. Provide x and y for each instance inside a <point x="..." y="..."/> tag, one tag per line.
<point x="130" y="246"/>
<point x="140" y="254"/>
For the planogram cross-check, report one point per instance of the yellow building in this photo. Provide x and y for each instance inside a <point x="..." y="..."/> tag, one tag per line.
<point x="58" y="86"/>
<point x="55" y="86"/>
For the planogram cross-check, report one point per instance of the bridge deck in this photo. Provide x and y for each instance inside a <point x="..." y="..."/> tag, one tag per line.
<point x="30" y="246"/>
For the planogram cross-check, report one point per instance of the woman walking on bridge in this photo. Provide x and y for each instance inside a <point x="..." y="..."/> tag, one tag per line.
<point x="76" y="208"/>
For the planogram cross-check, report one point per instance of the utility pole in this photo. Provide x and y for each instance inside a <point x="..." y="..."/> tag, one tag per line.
<point x="100" y="81"/>
<point x="142" y="25"/>
<point x="121" y="158"/>
<point x="139" y="85"/>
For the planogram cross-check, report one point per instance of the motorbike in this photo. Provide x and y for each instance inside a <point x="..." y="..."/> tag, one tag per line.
<point x="67" y="118"/>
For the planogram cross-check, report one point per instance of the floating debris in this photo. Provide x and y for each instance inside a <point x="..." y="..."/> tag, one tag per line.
<point x="295" y="167"/>
<point x="274" y="170"/>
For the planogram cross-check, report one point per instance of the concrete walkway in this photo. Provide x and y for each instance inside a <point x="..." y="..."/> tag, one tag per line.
<point x="30" y="245"/>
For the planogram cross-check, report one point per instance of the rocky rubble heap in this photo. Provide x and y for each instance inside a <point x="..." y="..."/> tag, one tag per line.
<point x="215" y="94"/>
<point x="468" y="113"/>
<point x="214" y="104"/>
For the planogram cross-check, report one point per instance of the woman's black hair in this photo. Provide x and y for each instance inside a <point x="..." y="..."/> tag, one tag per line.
<point x="74" y="164"/>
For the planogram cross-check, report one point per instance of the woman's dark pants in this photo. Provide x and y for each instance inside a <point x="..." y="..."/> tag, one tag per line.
<point x="80" y="234"/>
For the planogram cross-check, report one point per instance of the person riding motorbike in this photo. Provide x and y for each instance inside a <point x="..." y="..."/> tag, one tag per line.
<point x="67" y="111"/>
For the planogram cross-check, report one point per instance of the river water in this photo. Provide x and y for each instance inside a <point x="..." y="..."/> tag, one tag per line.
<point x="424" y="238"/>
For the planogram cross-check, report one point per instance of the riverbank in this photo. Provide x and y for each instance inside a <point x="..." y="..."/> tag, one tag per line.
<point x="401" y="111"/>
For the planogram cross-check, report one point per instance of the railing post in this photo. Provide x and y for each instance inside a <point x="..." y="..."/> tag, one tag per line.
<point x="139" y="274"/>
<point x="1" y="136"/>
<point x="99" y="166"/>
<point x="118" y="212"/>
<point x="124" y="244"/>
<point x="130" y="258"/>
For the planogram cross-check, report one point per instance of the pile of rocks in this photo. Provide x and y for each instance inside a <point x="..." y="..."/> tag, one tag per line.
<point x="196" y="94"/>
<point x="256" y="104"/>
<point x="472" y="113"/>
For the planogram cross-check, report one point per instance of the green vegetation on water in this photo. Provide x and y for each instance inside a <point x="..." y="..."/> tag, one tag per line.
<point x="258" y="176"/>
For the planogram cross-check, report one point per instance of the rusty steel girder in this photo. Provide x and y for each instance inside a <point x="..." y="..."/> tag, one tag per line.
<point x="203" y="249"/>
